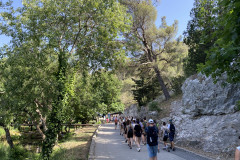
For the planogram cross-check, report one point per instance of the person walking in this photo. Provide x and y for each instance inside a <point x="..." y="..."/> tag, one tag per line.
<point x="130" y="134"/>
<point x="116" y="122"/>
<point x="138" y="133"/>
<point x="237" y="152"/>
<point x="144" y="135"/>
<point x="152" y="140"/>
<point x="125" y="129"/>
<point x="165" y="134"/>
<point x="171" y="128"/>
<point x="120" y="125"/>
<point x="133" y="125"/>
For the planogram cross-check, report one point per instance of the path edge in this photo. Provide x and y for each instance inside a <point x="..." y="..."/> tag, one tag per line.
<point x="91" y="154"/>
<point x="186" y="150"/>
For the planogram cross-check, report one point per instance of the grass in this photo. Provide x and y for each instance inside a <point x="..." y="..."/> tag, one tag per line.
<point x="76" y="147"/>
<point x="18" y="153"/>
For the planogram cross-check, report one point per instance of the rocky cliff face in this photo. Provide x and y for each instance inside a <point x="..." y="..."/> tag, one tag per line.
<point x="207" y="116"/>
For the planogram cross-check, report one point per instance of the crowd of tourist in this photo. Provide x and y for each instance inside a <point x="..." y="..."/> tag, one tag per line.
<point x="137" y="131"/>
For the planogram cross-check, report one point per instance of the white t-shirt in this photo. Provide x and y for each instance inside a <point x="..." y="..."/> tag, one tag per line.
<point x="238" y="148"/>
<point x="163" y="129"/>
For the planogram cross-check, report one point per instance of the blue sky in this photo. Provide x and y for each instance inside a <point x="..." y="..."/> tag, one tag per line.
<point x="175" y="10"/>
<point x="172" y="9"/>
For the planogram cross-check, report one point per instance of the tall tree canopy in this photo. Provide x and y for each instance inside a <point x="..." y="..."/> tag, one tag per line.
<point x="199" y="35"/>
<point x="224" y="56"/>
<point x="156" y="46"/>
<point x="213" y="39"/>
<point x="51" y="40"/>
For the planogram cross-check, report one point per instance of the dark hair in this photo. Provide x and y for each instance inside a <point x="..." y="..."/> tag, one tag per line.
<point x="137" y="121"/>
<point x="164" y="123"/>
<point x="128" y="122"/>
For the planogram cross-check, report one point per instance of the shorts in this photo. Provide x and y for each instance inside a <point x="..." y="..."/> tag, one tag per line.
<point x="115" y="123"/>
<point x="125" y="131"/>
<point x="171" y="137"/>
<point x="130" y="135"/>
<point x="165" y="138"/>
<point x="152" y="150"/>
<point x="138" y="134"/>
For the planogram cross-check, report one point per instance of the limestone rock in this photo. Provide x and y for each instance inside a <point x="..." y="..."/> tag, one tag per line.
<point x="202" y="97"/>
<point x="206" y="118"/>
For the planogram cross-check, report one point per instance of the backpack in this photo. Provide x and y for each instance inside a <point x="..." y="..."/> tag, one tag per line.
<point x="144" y="124"/>
<point x="166" y="133"/>
<point x="172" y="128"/>
<point x="152" y="136"/>
<point x="130" y="130"/>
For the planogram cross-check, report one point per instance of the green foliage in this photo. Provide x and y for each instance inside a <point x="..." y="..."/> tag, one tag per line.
<point x="51" y="42"/>
<point x="238" y="105"/>
<point x="18" y="152"/>
<point x="3" y="152"/>
<point x="177" y="83"/>
<point x="154" y="106"/>
<point x="2" y="132"/>
<point x="154" y="48"/>
<point x="213" y="39"/>
<point x="224" y="54"/>
<point x="60" y="154"/>
<point x="145" y="90"/>
<point x="99" y="122"/>
<point x="199" y="35"/>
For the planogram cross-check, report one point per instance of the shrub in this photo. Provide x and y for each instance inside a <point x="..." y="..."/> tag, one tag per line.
<point x="99" y="122"/>
<point x="153" y="106"/>
<point x="3" y="152"/>
<point x="177" y="83"/>
<point x="18" y="153"/>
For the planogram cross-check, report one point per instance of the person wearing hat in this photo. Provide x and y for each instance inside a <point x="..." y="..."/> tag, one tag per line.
<point x="171" y="128"/>
<point x="152" y="140"/>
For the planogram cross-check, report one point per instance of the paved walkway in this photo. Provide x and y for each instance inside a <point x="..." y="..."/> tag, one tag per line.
<point x="111" y="146"/>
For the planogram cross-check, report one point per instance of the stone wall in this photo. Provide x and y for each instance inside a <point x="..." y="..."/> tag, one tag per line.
<point x="207" y="116"/>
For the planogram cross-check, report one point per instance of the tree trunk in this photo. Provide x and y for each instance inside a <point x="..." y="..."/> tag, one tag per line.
<point x="54" y="119"/>
<point x="40" y="131"/>
<point x="8" y="137"/>
<point x="161" y="82"/>
<point x="152" y="58"/>
<point x="44" y="124"/>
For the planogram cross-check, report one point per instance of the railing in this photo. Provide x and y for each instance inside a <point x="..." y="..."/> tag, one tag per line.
<point x="66" y="125"/>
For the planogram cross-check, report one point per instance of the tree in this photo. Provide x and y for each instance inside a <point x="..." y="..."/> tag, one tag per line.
<point x="145" y="90"/>
<point x="199" y="35"/>
<point x="224" y="55"/>
<point x="68" y="33"/>
<point x="5" y="116"/>
<point x="107" y="89"/>
<point x="155" y="44"/>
